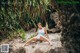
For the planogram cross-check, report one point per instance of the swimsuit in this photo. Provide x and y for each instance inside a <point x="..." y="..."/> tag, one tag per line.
<point x="40" y="33"/>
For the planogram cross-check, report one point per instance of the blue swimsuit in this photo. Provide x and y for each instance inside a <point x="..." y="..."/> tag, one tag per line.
<point x="40" y="33"/>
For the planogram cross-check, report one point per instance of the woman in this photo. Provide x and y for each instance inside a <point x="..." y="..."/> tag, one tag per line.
<point x="40" y="35"/>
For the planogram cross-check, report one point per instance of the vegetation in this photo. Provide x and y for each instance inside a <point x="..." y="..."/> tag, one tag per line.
<point x="20" y="15"/>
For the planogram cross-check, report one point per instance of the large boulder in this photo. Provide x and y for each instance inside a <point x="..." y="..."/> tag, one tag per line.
<point x="71" y="33"/>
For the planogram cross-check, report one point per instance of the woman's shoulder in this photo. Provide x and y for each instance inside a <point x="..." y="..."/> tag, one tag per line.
<point x="44" y="28"/>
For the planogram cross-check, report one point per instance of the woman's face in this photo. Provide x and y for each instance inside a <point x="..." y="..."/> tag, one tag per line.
<point x="39" y="26"/>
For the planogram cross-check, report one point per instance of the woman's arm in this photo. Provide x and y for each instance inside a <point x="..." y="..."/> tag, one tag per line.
<point x="46" y="33"/>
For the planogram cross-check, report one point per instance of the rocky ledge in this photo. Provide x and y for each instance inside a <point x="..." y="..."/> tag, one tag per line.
<point x="39" y="47"/>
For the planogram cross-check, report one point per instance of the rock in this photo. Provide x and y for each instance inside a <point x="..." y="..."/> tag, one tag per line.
<point x="38" y="51"/>
<point x="71" y="33"/>
<point x="16" y="45"/>
<point x="55" y="17"/>
<point x="54" y="30"/>
<point x="57" y="50"/>
<point x="20" y="50"/>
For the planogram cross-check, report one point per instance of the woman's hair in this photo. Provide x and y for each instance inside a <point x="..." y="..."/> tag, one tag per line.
<point x="39" y="23"/>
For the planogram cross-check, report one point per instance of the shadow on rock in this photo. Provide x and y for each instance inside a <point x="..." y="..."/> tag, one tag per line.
<point x="57" y="50"/>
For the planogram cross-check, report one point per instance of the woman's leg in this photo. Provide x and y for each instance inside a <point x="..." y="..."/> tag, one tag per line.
<point x="45" y="39"/>
<point x="32" y="39"/>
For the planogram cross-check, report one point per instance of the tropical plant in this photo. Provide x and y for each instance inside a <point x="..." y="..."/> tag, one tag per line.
<point x="20" y="14"/>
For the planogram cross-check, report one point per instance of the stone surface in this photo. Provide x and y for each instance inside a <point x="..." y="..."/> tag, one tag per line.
<point x="37" y="47"/>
